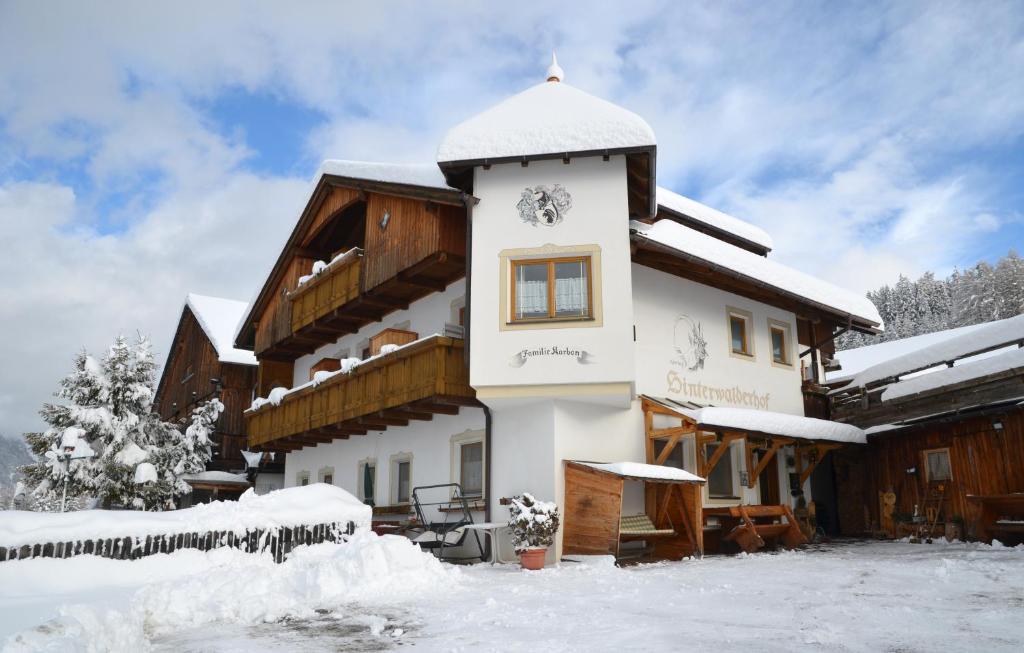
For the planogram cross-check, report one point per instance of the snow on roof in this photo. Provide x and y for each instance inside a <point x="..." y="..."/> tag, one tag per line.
<point x="984" y="338"/>
<point x="782" y="424"/>
<point x="219" y="318"/>
<point x="549" y="118"/>
<point x="311" y="504"/>
<point x="859" y="359"/>
<point x="1009" y="359"/>
<point x="644" y="471"/>
<point x="413" y="174"/>
<point x="713" y="217"/>
<point x="786" y="279"/>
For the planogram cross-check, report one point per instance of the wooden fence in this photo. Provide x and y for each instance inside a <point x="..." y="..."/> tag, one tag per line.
<point x="279" y="542"/>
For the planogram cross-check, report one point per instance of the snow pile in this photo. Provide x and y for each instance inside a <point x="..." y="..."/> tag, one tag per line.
<point x="677" y="203"/>
<point x="146" y="473"/>
<point x="411" y="174"/>
<point x="226" y="587"/>
<point x="388" y="349"/>
<point x="763" y="421"/>
<point x="549" y="118"/>
<point x="312" y="504"/>
<point x="319" y="267"/>
<point x="985" y="338"/>
<point x="642" y="470"/>
<point x="718" y="253"/>
<point x="219" y="318"/>
<point x="1012" y="359"/>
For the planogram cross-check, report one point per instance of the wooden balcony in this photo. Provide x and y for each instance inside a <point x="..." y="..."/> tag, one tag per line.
<point x="416" y="382"/>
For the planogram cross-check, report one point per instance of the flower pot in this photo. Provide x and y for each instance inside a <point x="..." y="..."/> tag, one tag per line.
<point x="532" y="559"/>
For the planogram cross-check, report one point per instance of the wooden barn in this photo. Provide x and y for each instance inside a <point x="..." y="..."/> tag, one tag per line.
<point x="944" y="415"/>
<point x="202" y="363"/>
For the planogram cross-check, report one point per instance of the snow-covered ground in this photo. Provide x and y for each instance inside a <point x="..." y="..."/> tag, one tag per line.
<point x="380" y="592"/>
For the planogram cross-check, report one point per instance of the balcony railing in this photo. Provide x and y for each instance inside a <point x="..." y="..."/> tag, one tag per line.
<point x="413" y="383"/>
<point x="318" y="298"/>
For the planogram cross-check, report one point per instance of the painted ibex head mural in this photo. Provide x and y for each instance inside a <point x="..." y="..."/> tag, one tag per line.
<point x="690" y="343"/>
<point x="544" y="205"/>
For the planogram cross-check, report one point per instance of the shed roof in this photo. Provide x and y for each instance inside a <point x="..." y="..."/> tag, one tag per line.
<point x="644" y="472"/>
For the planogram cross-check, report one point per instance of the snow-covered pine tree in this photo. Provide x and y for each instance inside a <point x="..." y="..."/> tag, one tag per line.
<point x="1009" y="285"/>
<point x="81" y="420"/>
<point x="175" y="454"/>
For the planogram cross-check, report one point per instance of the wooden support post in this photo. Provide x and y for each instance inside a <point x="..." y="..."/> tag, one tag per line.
<point x="763" y="463"/>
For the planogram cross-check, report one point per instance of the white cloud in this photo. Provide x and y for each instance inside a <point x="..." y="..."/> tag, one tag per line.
<point x="840" y="131"/>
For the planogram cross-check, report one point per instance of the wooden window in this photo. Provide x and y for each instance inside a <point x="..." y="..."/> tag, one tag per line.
<point x="554" y="288"/>
<point x="401" y="478"/>
<point x="741" y="333"/>
<point x="720" y="480"/>
<point x="471" y="468"/>
<point x="936" y="465"/>
<point x="780" y="354"/>
<point x="303" y="478"/>
<point x="738" y="335"/>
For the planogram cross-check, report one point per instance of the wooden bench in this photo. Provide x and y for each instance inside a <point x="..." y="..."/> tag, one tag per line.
<point x="742" y="526"/>
<point x="640" y="527"/>
<point x="1001" y="515"/>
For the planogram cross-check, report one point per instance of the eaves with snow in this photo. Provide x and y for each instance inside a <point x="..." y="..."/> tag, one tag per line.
<point x="219" y="318"/>
<point x="690" y="244"/>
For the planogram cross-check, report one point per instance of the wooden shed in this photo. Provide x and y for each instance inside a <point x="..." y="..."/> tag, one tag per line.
<point x="594" y="523"/>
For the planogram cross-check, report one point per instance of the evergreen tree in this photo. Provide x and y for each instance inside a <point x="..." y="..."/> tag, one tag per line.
<point x="84" y="417"/>
<point x="139" y="459"/>
<point x="978" y="294"/>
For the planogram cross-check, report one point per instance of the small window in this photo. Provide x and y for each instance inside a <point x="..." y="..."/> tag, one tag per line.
<point x="720" y="480"/>
<point x="551" y="289"/>
<point x="367" y="481"/>
<point x="937" y="465"/>
<point x="471" y="469"/>
<point x="303" y="478"/>
<point x="741" y="335"/>
<point x="401" y="479"/>
<point x="779" y="354"/>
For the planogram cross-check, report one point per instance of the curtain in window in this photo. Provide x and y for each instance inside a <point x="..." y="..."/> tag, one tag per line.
<point x="531" y="298"/>
<point x="571" y="292"/>
<point x="472" y="469"/>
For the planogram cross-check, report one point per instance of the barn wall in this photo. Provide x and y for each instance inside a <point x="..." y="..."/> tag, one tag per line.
<point x="983" y="460"/>
<point x="191" y="363"/>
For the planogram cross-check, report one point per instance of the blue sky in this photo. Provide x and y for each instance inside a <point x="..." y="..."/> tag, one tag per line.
<point x="145" y="153"/>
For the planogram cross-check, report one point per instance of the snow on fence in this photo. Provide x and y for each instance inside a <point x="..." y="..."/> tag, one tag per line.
<point x="275" y="523"/>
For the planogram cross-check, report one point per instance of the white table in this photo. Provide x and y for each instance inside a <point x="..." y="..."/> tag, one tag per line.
<point x="490" y="528"/>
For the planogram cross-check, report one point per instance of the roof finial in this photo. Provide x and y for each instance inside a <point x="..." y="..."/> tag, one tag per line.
<point x="555" y="72"/>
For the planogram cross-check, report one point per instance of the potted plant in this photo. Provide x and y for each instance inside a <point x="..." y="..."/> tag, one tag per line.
<point x="533" y="524"/>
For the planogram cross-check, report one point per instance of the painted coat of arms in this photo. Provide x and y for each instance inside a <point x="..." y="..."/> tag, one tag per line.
<point x="544" y="205"/>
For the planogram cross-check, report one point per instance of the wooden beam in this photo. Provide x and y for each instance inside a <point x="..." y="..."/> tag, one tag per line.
<point x="669" y="432"/>
<point x="763" y="463"/>
<point x="431" y="407"/>
<point x="719" y="452"/>
<point x="648" y="427"/>
<point x="669" y="446"/>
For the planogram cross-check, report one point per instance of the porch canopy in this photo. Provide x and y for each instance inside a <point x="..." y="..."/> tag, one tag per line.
<point x="594" y="523"/>
<point x="762" y="431"/>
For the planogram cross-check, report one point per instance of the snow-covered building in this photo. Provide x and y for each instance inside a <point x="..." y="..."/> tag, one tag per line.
<point x="534" y="298"/>
<point x="944" y="408"/>
<point x="202" y="363"/>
